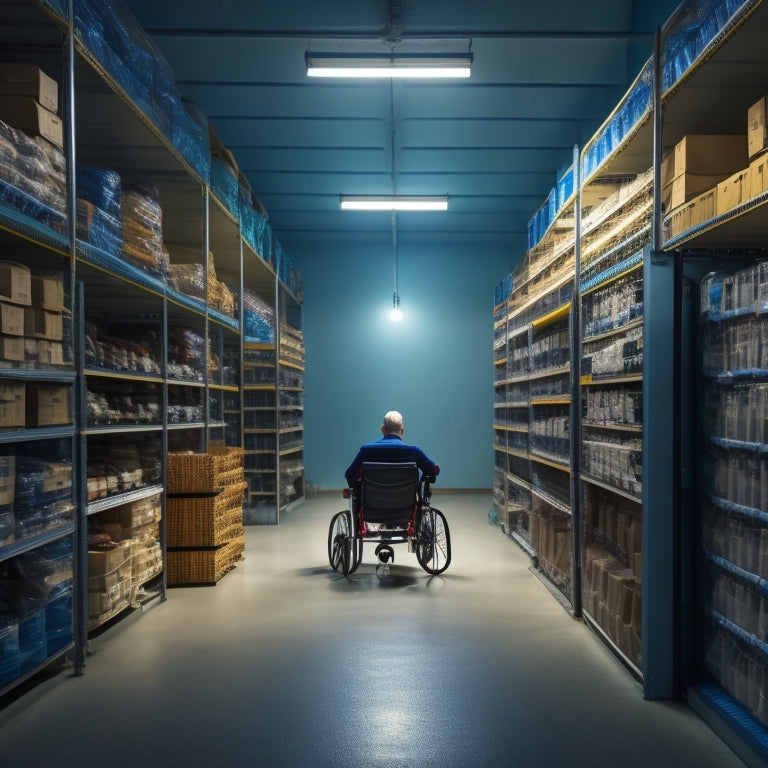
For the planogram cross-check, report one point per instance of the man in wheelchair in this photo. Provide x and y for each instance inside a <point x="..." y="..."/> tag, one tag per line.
<point x="389" y="482"/>
<point x="389" y="448"/>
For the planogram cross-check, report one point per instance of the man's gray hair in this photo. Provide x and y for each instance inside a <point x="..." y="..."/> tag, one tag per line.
<point x="393" y="422"/>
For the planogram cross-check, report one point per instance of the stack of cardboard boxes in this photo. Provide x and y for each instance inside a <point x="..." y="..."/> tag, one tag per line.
<point x="29" y="101"/>
<point x="705" y="176"/>
<point x="31" y="331"/>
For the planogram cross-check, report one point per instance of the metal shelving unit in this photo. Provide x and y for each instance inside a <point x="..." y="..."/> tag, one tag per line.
<point x="161" y="399"/>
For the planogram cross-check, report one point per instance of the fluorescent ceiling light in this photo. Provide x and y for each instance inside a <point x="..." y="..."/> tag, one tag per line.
<point x="394" y="203"/>
<point x="417" y="65"/>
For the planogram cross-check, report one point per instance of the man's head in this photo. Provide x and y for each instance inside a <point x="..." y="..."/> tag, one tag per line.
<point x="392" y="423"/>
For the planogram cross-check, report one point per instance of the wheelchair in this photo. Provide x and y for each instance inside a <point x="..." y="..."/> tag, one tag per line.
<point x="389" y="506"/>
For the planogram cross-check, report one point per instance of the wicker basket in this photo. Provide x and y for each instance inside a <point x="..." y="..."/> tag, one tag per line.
<point x="202" y="566"/>
<point x="205" y="472"/>
<point x="205" y="521"/>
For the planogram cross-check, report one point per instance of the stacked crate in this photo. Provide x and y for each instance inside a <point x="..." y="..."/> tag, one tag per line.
<point x="205" y="530"/>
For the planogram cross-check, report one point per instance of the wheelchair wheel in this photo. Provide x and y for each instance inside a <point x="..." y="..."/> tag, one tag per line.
<point x="433" y="541"/>
<point x="344" y="552"/>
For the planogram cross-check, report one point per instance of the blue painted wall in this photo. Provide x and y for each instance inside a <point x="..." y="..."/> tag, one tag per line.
<point x="435" y="366"/>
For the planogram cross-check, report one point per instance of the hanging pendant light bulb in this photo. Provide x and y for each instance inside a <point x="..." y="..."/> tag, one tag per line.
<point x="397" y="314"/>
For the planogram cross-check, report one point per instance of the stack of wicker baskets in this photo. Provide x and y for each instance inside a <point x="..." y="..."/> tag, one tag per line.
<point x="204" y="517"/>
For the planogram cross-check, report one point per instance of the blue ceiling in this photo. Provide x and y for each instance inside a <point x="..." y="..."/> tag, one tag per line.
<point x="544" y="78"/>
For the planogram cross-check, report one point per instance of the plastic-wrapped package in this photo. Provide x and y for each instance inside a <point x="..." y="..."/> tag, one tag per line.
<point x="33" y="646"/>
<point x="9" y="648"/>
<point x="689" y="31"/>
<point x="58" y="617"/>
<point x="32" y="177"/>
<point x="189" y="134"/>
<point x="627" y="115"/>
<point x="224" y="183"/>
<point x="188" y="279"/>
<point x="100" y="186"/>
<point x="115" y="38"/>
<point x="258" y="320"/>
<point x="98" y="228"/>
<point x="142" y="223"/>
<point x="186" y="354"/>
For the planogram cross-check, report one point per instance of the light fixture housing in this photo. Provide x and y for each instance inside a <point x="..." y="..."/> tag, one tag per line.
<point x="409" y="65"/>
<point x="394" y="202"/>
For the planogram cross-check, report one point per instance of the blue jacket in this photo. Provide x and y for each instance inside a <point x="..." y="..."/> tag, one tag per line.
<point x="389" y="448"/>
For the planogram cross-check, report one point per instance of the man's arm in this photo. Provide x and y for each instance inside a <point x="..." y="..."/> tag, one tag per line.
<point x="426" y="465"/>
<point x="355" y="470"/>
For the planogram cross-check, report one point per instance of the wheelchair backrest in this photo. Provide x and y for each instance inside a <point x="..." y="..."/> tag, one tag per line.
<point x="389" y="491"/>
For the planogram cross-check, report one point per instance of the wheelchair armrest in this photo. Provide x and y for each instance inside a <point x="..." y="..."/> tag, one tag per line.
<point x="346" y="493"/>
<point x="429" y="479"/>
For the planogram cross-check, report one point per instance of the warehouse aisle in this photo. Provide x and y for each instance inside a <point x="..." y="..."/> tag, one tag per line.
<point x="285" y="663"/>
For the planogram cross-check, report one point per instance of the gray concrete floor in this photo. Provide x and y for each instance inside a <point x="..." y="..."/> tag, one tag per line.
<point x="285" y="663"/>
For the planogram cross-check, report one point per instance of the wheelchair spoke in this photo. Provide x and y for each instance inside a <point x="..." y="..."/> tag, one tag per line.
<point x="433" y="541"/>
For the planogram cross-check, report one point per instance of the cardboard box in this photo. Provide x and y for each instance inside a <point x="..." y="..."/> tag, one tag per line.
<point x="12" y="405"/>
<point x="710" y="155"/>
<point x="757" y="132"/>
<point x="703" y="207"/>
<point x="48" y="404"/>
<point x="11" y="319"/>
<point x="43" y="324"/>
<point x="103" y="561"/>
<point x="48" y="292"/>
<point x="687" y="186"/>
<point x="678" y="221"/>
<point x="44" y="351"/>
<point x="23" y="79"/>
<point x="27" y="115"/>
<point x="134" y="514"/>
<point x="758" y="170"/>
<point x="734" y="191"/>
<point x="12" y="348"/>
<point x="15" y="283"/>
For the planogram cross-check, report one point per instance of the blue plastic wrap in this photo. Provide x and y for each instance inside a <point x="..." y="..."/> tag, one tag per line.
<point x="627" y="115"/>
<point x="224" y="184"/>
<point x="690" y="29"/>
<point x="58" y="617"/>
<point x="258" y="319"/>
<point x="114" y="37"/>
<point x="111" y="34"/>
<point x="266" y="242"/>
<point x="33" y="647"/>
<point x="260" y="225"/>
<point x="189" y="134"/>
<point x="100" y="186"/>
<point x="98" y="228"/>
<point x="9" y="649"/>
<point x="564" y="188"/>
